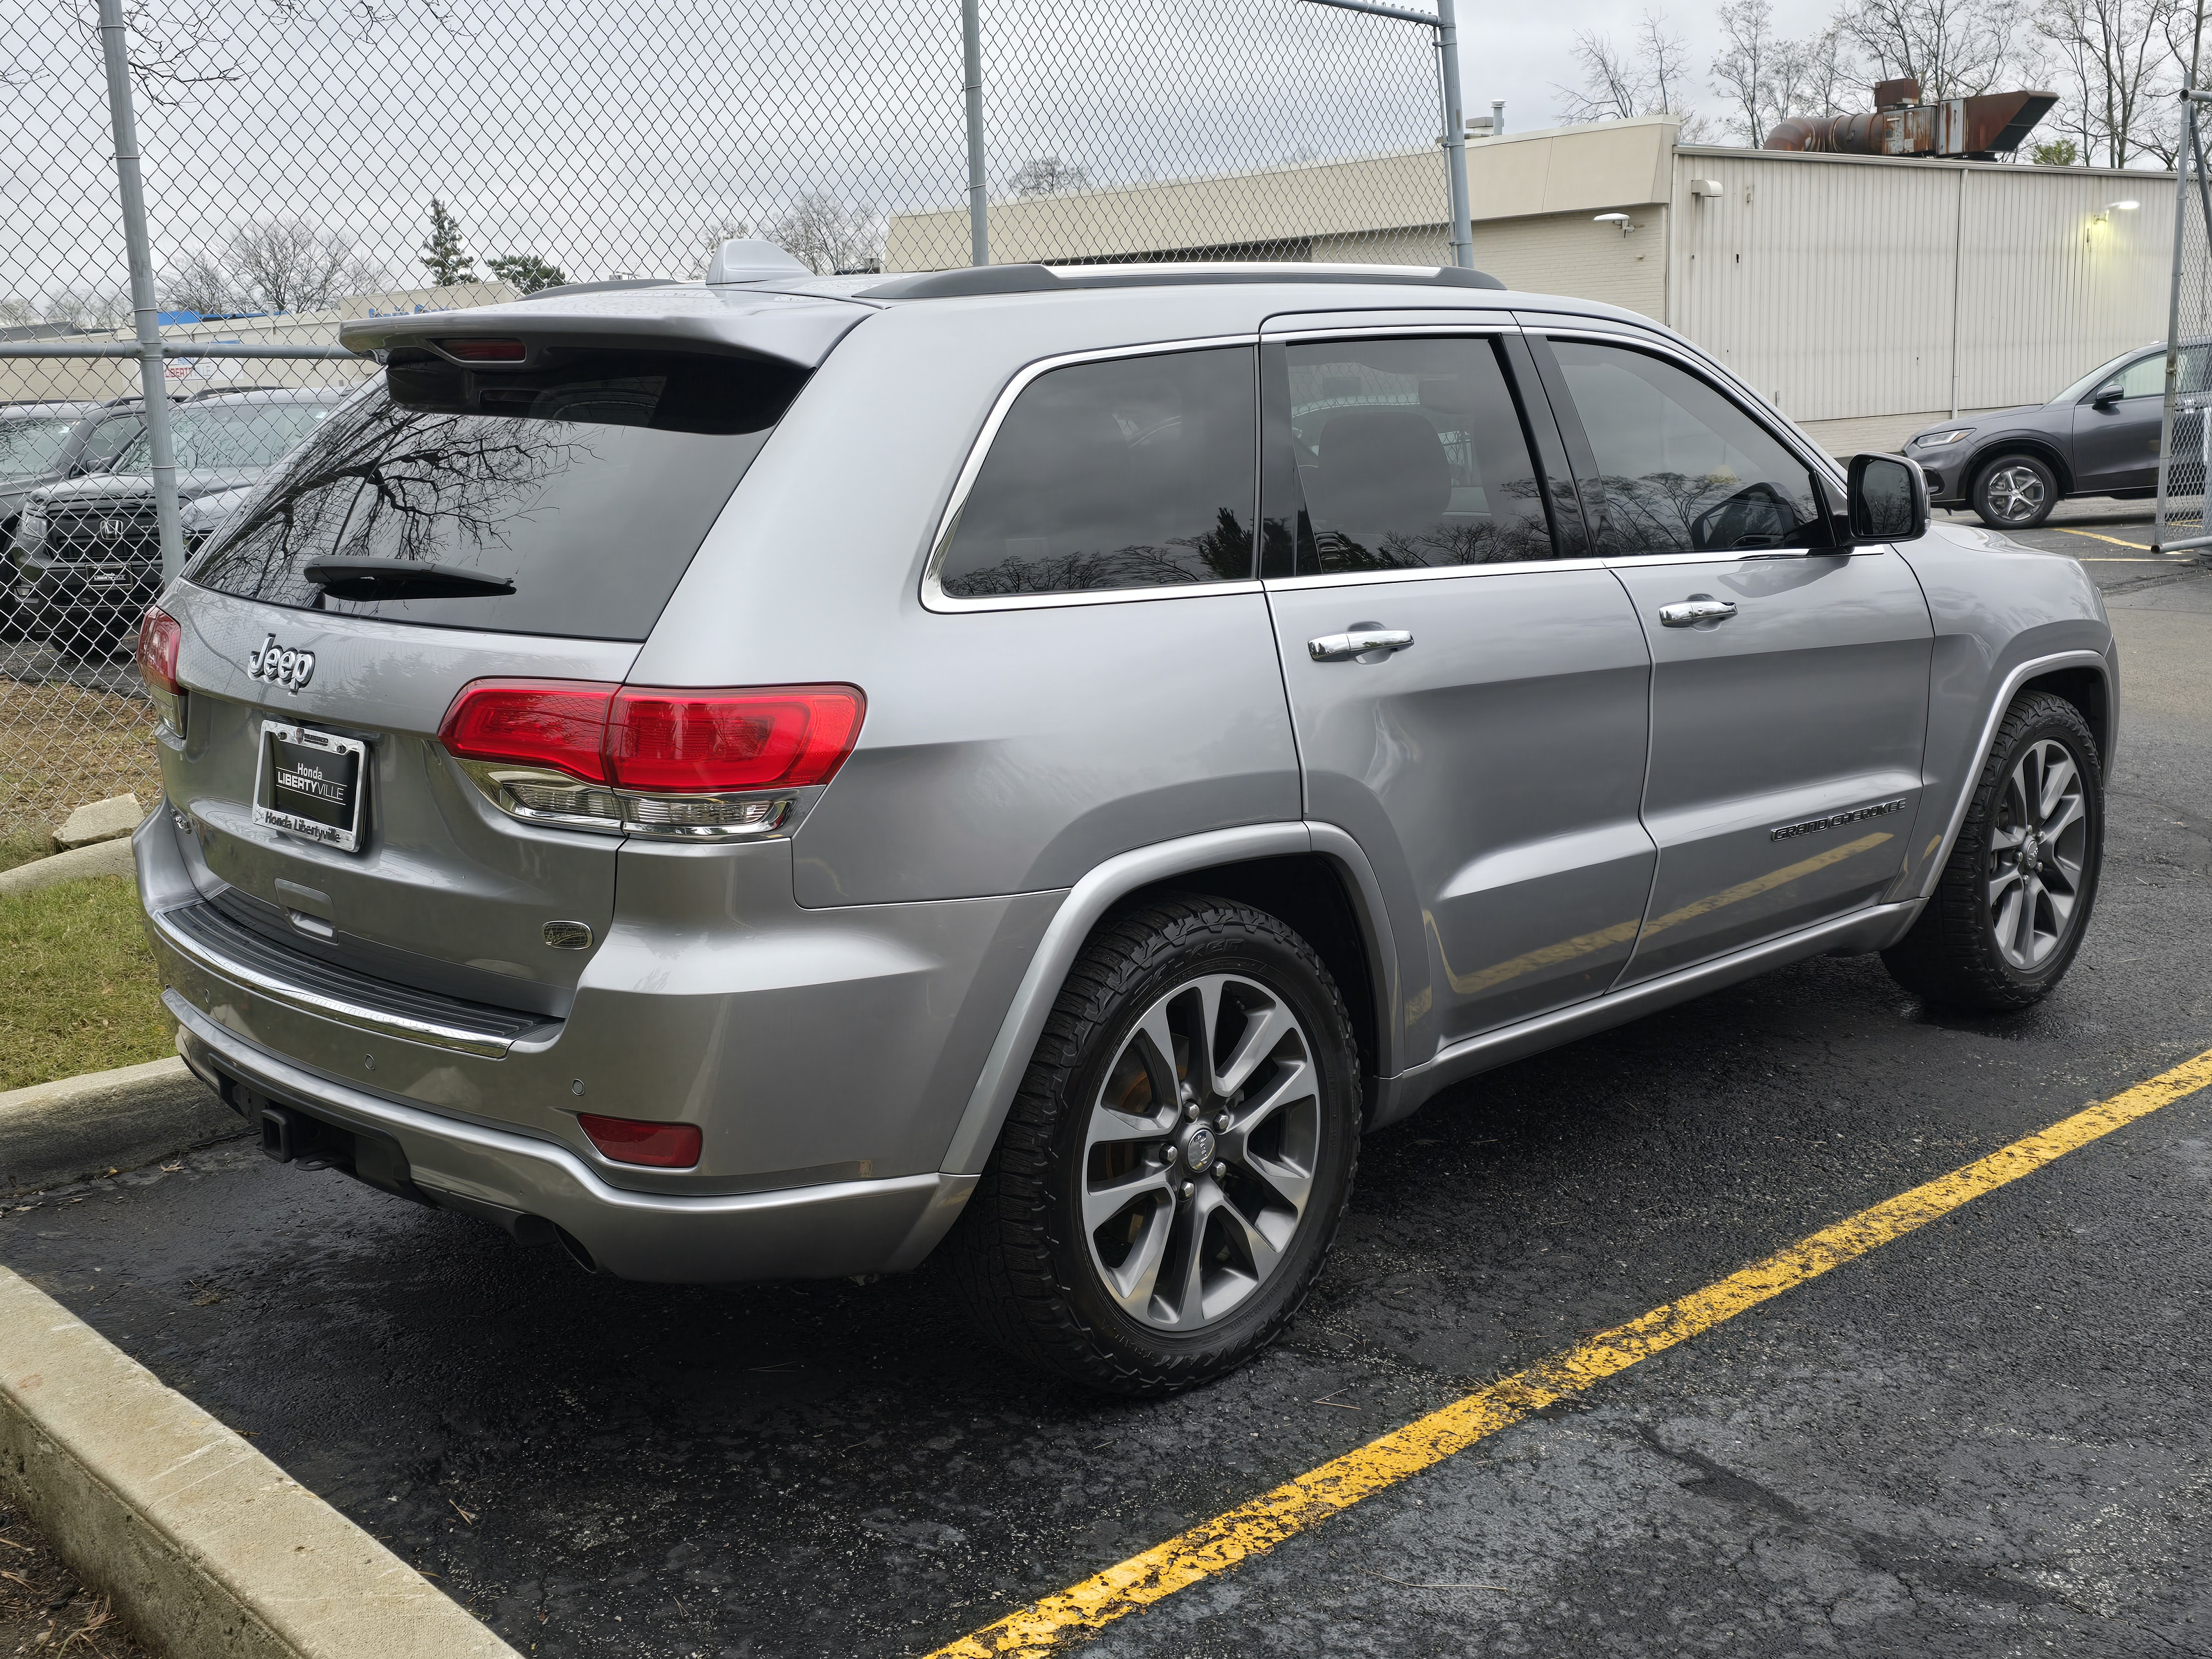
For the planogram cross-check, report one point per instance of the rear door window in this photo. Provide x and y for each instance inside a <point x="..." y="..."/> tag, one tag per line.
<point x="1411" y="453"/>
<point x="566" y="499"/>
<point x="1131" y="472"/>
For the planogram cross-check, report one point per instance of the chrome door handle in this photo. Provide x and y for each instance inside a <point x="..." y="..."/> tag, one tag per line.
<point x="1699" y="608"/>
<point x="1341" y="647"/>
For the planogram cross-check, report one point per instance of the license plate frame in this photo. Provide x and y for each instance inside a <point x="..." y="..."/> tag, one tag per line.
<point x="312" y="784"/>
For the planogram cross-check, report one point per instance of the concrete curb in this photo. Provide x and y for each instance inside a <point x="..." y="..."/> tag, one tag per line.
<point x="208" y="1547"/>
<point x="53" y="1133"/>
<point x="107" y="858"/>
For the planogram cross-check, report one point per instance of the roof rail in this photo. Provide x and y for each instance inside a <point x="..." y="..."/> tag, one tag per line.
<point x="1044" y="279"/>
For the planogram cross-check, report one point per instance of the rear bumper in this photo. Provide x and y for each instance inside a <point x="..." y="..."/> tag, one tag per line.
<point x="799" y="1232"/>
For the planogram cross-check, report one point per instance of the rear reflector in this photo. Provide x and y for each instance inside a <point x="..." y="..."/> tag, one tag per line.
<point x="659" y="742"/>
<point x="658" y="1145"/>
<point x="483" y="351"/>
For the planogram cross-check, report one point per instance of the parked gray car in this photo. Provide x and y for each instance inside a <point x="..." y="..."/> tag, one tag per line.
<point x="767" y="778"/>
<point x="2098" y="437"/>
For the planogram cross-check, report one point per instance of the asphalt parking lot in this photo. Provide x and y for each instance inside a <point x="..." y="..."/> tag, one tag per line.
<point x="1987" y="1437"/>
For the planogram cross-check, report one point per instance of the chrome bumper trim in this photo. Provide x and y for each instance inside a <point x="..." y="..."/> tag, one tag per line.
<point x="381" y="1022"/>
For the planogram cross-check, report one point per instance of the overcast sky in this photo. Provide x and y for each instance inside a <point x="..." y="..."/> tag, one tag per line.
<point x="617" y="135"/>
<point x="1519" y="52"/>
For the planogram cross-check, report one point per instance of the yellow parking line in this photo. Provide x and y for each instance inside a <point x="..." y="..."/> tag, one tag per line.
<point x="1213" y="1546"/>
<point x="2138" y="546"/>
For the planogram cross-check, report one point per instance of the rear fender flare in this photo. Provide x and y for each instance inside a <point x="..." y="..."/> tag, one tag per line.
<point x="1089" y="900"/>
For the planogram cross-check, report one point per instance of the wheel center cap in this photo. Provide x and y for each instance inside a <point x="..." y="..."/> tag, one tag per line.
<point x="2031" y="852"/>
<point x="1199" y="1147"/>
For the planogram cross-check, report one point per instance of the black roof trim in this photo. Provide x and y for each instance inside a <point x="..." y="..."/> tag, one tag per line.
<point x="1042" y="279"/>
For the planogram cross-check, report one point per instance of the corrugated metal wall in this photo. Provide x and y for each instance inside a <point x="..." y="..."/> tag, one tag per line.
<point x="1843" y="287"/>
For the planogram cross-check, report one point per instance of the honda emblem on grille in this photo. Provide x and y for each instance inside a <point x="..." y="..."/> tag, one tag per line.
<point x="114" y="527"/>
<point x="281" y="664"/>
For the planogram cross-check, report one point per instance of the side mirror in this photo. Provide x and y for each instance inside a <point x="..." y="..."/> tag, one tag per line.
<point x="2109" y="392"/>
<point x="1887" y="501"/>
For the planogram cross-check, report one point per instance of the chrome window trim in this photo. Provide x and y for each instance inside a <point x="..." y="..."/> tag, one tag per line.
<point x="1383" y="331"/>
<point x="1428" y="573"/>
<point x="933" y="596"/>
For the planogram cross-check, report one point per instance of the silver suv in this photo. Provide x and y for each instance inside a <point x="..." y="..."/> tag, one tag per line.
<point x="764" y="778"/>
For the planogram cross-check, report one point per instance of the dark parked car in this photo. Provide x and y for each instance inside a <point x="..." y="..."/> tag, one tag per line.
<point x="87" y="550"/>
<point x="2098" y="437"/>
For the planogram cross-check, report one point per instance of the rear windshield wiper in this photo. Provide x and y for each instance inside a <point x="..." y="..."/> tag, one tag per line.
<point x="396" y="579"/>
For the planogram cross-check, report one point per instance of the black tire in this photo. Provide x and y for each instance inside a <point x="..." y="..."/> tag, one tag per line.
<point x="1954" y="954"/>
<point x="1033" y="1275"/>
<point x="2014" y="492"/>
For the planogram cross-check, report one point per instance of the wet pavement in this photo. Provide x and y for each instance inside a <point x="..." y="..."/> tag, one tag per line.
<point x="1988" y="1438"/>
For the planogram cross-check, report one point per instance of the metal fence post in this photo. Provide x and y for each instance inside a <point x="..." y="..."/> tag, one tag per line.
<point x="125" y="122"/>
<point x="979" y="211"/>
<point x="2181" y="154"/>
<point x="1462" y="227"/>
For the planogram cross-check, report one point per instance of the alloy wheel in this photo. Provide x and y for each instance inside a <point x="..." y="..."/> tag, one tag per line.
<point x="1200" y="1154"/>
<point x="2038" y="851"/>
<point x="2015" y="494"/>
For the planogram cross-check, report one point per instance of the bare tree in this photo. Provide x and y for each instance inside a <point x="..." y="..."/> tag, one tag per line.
<point x="289" y="264"/>
<point x="1048" y="175"/>
<point x="272" y="265"/>
<point x="201" y="284"/>
<point x="1744" y="72"/>
<point x="1611" y="86"/>
<point x="1766" y="77"/>
<point x="1651" y="77"/>
<point x="826" y="236"/>
<point x="2117" y="68"/>
<point x="1953" y="48"/>
<point x="93" y="309"/>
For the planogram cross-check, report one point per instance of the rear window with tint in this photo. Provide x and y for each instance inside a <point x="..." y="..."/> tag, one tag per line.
<point x="1133" y="472"/>
<point x="566" y="499"/>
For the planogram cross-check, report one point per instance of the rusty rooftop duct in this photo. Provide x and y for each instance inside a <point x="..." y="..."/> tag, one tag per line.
<point x="1977" y="129"/>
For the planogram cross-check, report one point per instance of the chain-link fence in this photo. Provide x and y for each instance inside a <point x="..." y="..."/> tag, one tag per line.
<point x="2185" y="447"/>
<point x="305" y="161"/>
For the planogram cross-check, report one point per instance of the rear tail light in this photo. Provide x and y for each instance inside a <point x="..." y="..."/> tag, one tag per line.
<point x="160" y="636"/>
<point x="657" y="1145"/>
<point x="648" y="761"/>
<point x="786" y="737"/>
<point x="562" y="724"/>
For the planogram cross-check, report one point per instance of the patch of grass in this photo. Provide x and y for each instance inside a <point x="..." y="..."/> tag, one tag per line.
<point x="22" y="846"/>
<point x="78" y="991"/>
<point x="63" y="745"/>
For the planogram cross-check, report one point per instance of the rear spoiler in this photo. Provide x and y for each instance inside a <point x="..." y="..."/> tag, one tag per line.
<point x="799" y="329"/>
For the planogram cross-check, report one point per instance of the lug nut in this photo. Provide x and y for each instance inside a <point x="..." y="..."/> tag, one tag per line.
<point x="1189" y="1187"/>
<point x="1221" y="1122"/>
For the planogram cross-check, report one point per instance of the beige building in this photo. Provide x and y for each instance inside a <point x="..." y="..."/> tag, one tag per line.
<point x="1869" y="290"/>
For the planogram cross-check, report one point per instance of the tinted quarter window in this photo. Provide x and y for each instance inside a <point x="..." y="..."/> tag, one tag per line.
<point x="1133" y="472"/>
<point x="567" y="499"/>
<point x="1680" y="467"/>
<point x="1412" y="453"/>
